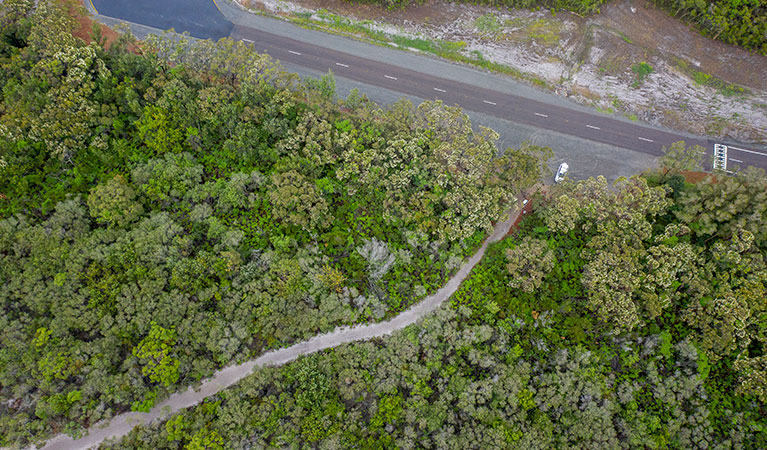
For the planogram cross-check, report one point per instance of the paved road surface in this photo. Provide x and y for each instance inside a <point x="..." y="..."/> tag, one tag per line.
<point x="200" y="18"/>
<point x="122" y="424"/>
<point x="514" y="108"/>
<point x="204" y="19"/>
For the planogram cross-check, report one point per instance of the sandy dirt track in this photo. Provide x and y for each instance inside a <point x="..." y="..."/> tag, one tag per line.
<point x="124" y="423"/>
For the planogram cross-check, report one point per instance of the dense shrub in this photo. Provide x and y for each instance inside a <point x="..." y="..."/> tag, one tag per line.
<point x="740" y="22"/>
<point x="533" y="354"/>
<point x="167" y="214"/>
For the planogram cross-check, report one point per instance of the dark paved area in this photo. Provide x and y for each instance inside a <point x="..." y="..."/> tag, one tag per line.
<point x="200" y="18"/>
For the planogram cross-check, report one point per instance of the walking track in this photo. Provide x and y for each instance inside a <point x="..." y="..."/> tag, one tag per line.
<point x="222" y="379"/>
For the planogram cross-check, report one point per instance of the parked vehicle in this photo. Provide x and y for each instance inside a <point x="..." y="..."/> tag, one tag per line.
<point x="561" y="172"/>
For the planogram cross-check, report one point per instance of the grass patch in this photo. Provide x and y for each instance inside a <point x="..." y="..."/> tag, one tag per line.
<point x="416" y="43"/>
<point x="612" y="66"/>
<point x="452" y="46"/>
<point x="540" y="30"/>
<point x="624" y="37"/>
<point x="704" y="79"/>
<point x="585" y="48"/>
<point x="488" y="24"/>
<point x="723" y="87"/>
<point x="451" y="50"/>
<point x="620" y="106"/>
<point x="607" y="110"/>
<point x="716" y="126"/>
<point x="516" y="22"/>
<point x="480" y="61"/>
<point x="544" y="31"/>
<point x="641" y="70"/>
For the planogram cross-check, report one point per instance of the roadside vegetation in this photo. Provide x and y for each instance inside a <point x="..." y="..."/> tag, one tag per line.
<point x="641" y="70"/>
<point x="173" y="209"/>
<point x="737" y="22"/>
<point x="579" y="6"/>
<point x="451" y="50"/>
<point x="740" y="22"/>
<point x="624" y="316"/>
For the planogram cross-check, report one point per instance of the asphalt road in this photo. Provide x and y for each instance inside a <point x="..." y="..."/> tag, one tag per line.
<point x="203" y="19"/>
<point x="200" y="18"/>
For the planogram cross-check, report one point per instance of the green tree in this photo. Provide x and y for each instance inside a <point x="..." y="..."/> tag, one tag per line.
<point x="528" y="263"/>
<point x="753" y="376"/>
<point x="321" y="89"/>
<point x="681" y="157"/>
<point x="155" y="351"/>
<point x="114" y="203"/>
<point x="717" y="207"/>
<point x="205" y="440"/>
<point x="159" y="132"/>
<point x="170" y="178"/>
<point x="297" y="201"/>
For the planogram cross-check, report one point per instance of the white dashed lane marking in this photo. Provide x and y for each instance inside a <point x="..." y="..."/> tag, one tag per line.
<point x="247" y="40"/>
<point x="735" y="160"/>
<point x="747" y="151"/>
<point x="540" y="115"/>
<point x="342" y="65"/>
<point x="592" y="126"/>
<point x="295" y="53"/>
<point x="645" y="139"/>
<point x="439" y="90"/>
<point x="489" y="103"/>
<point x="390" y="77"/>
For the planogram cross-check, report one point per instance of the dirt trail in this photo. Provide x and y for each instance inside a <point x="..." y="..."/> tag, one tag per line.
<point x="124" y="423"/>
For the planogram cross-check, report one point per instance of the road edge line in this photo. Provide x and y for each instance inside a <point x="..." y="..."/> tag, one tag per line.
<point x="219" y="10"/>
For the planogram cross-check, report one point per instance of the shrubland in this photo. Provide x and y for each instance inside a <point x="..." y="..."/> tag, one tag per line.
<point x="172" y="209"/>
<point x="623" y="316"/>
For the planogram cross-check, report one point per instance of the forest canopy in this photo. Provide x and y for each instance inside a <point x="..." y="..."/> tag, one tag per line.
<point x="622" y="317"/>
<point x="172" y="209"/>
